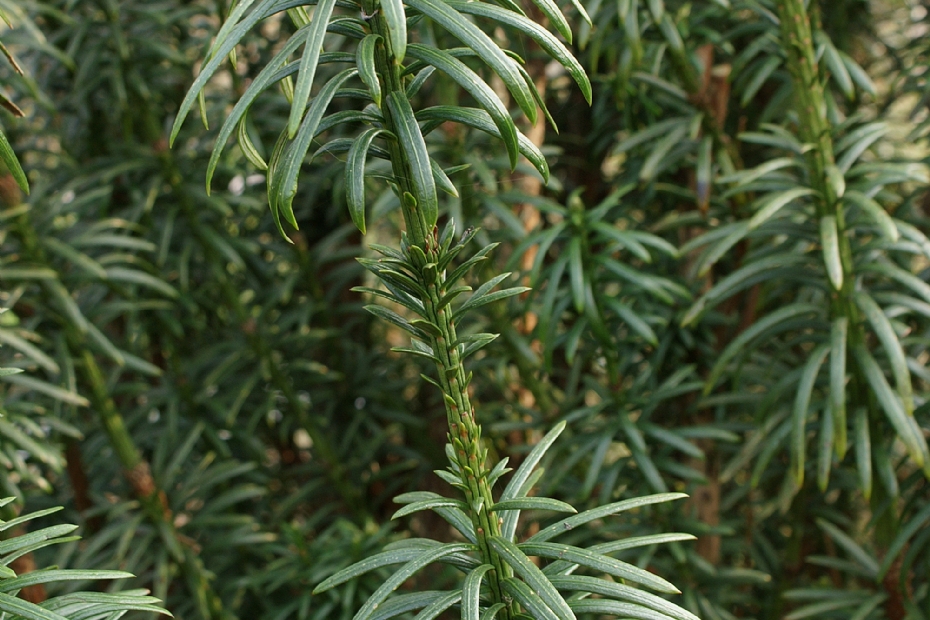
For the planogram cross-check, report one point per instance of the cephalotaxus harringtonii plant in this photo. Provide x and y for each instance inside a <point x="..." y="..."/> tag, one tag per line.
<point x="14" y="580"/>
<point x="83" y="605"/>
<point x="420" y="276"/>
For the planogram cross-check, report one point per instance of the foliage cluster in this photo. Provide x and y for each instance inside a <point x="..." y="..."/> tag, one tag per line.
<point x="719" y="286"/>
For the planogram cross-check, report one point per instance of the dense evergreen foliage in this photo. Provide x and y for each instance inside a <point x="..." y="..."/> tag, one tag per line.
<point x="717" y="284"/>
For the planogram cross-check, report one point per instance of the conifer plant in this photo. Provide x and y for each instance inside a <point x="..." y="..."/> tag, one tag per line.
<point x="424" y="276"/>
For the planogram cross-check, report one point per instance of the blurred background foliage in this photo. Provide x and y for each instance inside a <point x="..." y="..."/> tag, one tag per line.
<point x="716" y="310"/>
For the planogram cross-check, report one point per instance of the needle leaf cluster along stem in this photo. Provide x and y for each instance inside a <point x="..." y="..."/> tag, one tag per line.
<point x="852" y="311"/>
<point x="422" y="277"/>
<point x="425" y="254"/>
<point x="814" y="128"/>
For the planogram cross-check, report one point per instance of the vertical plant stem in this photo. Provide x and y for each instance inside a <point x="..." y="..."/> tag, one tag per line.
<point x="814" y="128"/>
<point x="464" y="431"/>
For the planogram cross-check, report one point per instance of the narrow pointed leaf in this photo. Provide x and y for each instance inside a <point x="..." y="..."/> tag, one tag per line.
<point x="237" y="12"/>
<point x="133" y="276"/>
<point x="837" y="68"/>
<point x="904" y="535"/>
<point x="894" y="272"/>
<point x="531" y="600"/>
<point x="861" y="557"/>
<point x="313" y="45"/>
<point x="761" y="74"/>
<point x="471" y="592"/>
<point x="875" y="212"/>
<point x="554" y="14"/>
<point x="533" y="577"/>
<point x="915" y="442"/>
<point x="531" y="461"/>
<point x="483" y="290"/>
<point x="385" y="558"/>
<point x="484" y="46"/>
<point x="570" y="523"/>
<point x="632" y="320"/>
<point x="8" y="157"/>
<point x="429" y="504"/>
<point x="617" y="609"/>
<point x="523" y="473"/>
<point x="773" y="204"/>
<point x="58" y="575"/>
<point x="576" y="273"/>
<point x="54" y="391"/>
<point x="33" y="538"/>
<point x="355" y="176"/>
<point x="639" y="541"/>
<point x="477" y="344"/>
<point x="892" y="346"/>
<point x="25" y="610"/>
<point x="598" y="562"/>
<point x="218" y="54"/>
<point x="397" y="28"/>
<point x="838" y="334"/>
<point x="365" y="61"/>
<point x="32" y="352"/>
<point x="858" y="74"/>
<point x="703" y="173"/>
<point x="403" y="603"/>
<point x="405" y="572"/>
<point x="418" y="353"/>
<point x="452" y="514"/>
<point x="411" y="140"/>
<point x="392" y="317"/>
<point x="482" y="121"/>
<point x="718" y="250"/>
<point x="472" y="83"/>
<point x="437" y="607"/>
<point x="442" y="180"/>
<point x="622" y="592"/>
<point x="760" y="270"/>
<point x="265" y="77"/>
<point x="282" y="183"/>
<point x="830" y="243"/>
<point x="863" y="449"/>
<point x="825" y="449"/>
<point x="533" y="503"/>
<point x="248" y="148"/>
<point x="801" y="404"/>
<point x="658" y="155"/>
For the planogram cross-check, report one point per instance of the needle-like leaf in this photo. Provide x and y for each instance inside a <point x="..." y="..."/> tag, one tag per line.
<point x="477" y="88"/>
<point x="355" y="176"/>
<point x="313" y="45"/>
<point x="484" y="46"/>
<point x="414" y="146"/>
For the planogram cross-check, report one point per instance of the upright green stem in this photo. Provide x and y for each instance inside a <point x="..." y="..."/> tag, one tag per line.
<point x="464" y="431"/>
<point x="814" y="128"/>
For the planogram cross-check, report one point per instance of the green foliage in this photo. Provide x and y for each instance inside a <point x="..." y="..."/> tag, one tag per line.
<point x="75" y="604"/>
<point x="712" y="282"/>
